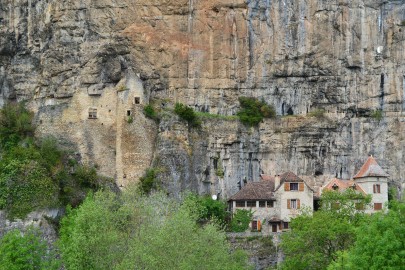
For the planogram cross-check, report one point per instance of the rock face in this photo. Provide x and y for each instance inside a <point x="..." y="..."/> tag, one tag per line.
<point x="346" y="57"/>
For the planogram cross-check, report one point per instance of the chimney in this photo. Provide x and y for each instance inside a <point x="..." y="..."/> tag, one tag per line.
<point x="276" y="181"/>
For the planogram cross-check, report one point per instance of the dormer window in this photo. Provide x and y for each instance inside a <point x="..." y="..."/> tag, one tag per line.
<point x="294" y="186"/>
<point x="335" y="187"/>
<point x="353" y="187"/>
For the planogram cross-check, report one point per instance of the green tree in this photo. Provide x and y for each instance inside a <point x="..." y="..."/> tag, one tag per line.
<point x="349" y="203"/>
<point x="380" y="243"/>
<point x="134" y="231"/>
<point x="315" y="240"/>
<point x="240" y="220"/>
<point x="253" y="111"/>
<point x="207" y="208"/>
<point x="25" y="251"/>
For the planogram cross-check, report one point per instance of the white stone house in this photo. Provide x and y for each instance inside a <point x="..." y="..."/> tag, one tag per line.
<point x="274" y="201"/>
<point x="370" y="179"/>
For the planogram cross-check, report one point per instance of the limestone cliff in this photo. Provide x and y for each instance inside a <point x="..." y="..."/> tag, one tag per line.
<point x="68" y="58"/>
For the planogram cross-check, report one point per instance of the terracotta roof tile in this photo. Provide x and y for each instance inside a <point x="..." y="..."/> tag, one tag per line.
<point x="289" y="177"/>
<point x="370" y="168"/>
<point x="255" y="191"/>
<point x="342" y="185"/>
<point x="266" y="177"/>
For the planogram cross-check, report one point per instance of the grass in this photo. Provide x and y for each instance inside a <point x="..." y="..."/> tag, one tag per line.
<point x="318" y="113"/>
<point x="205" y="115"/>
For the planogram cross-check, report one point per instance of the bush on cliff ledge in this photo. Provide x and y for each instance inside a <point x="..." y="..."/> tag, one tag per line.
<point x="253" y="111"/>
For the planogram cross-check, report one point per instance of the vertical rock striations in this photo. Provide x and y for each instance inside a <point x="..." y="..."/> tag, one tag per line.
<point x="334" y="70"/>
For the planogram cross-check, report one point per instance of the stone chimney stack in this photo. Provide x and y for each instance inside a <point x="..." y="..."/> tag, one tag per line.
<point x="276" y="181"/>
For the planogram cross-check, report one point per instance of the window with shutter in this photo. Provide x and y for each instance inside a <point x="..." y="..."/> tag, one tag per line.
<point x="294" y="186"/>
<point x="293" y="203"/>
<point x="287" y="186"/>
<point x="301" y="186"/>
<point x="376" y="188"/>
<point x="288" y="204"/>
<point x="298" y="204"/>
<point x="254" y="225"/>
<point x="377" y="206"/>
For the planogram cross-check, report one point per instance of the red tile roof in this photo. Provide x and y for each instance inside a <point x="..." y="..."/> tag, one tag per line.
<point x="266" y="177"/>
<point x="342" y="185"/>
<point x="289" y="177"/>
<point x="370" y="168"/>
<point x="255" y="191"/>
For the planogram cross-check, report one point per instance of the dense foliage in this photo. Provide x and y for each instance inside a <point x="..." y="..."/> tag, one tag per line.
<point x="139" y="232"/>
<point x="380" y="243"/>
<point x="186" y="113"/>
<point x="253" y="111"/>
<point x="25" y="251"/>
<point x="150" y="112"/>
<point x="341" y="236"/>
<point x="15" y="124"/>
<point x="149" y="181"/>
<point x="36" y="174"/>
<point x="207" y="209"/>
<point x="240" y="220"/>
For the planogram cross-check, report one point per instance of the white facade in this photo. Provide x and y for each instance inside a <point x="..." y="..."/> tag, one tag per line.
<point x="304" y="198"/>
<point x="377" y="187"/>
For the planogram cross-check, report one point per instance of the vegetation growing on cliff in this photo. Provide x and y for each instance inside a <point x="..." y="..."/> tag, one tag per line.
<point x="186" y="113"/>
<point x="253" y="111"/>
<point x="36" y="174"/>
<point x="25" y="251"/>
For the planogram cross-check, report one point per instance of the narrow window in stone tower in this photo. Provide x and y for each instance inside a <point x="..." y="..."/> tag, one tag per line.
<point x="92" y="113"/>
<point x="137" y="100"/>
<point x="129" y="113"/>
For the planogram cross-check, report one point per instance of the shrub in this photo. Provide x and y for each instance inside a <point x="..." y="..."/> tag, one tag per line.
<point x="149" y="181"/>
<point x="25" y="251"/>
<point x="149" y="112"/>
<point x="130" y="119"/>
<point x="205" y="208"/>
<point x="240" y="220"/>
<point x="186" y="113"/>
<point x="377" y="115"/>
<point x="15" y="124"/>
<point x="253" y="111"/>
<point x="86" y="176"/>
